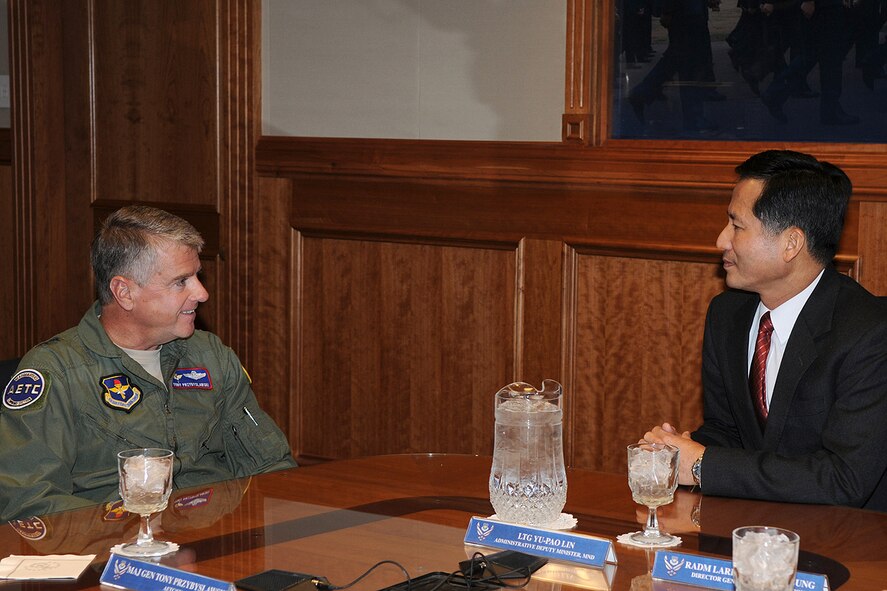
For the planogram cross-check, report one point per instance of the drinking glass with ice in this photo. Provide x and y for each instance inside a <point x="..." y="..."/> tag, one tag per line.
<point x="145" y="486"/>
<point x="764" y="558"/>
<point x="653" y="478"/>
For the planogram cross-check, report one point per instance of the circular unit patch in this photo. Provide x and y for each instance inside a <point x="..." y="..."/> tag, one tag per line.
<point x="31" y="528"/>
<point x="24" y="389"/>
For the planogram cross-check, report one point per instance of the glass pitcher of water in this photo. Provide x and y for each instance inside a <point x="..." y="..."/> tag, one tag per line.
<point x="528" y="483"/>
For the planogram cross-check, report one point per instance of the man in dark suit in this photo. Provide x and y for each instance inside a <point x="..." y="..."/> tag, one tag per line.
<point x="794" y="364"/>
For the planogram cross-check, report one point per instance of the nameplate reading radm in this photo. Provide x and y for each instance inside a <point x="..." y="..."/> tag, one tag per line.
<point x="715" y="573"/>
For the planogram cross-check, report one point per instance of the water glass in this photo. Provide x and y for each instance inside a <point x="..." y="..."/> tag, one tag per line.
<point x="653" y="478"/>
<point x="764" y="558"/>
<point x="145" y="486"/>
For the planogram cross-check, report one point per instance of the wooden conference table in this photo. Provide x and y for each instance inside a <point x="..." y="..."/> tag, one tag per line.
<point x="338" y="519"/>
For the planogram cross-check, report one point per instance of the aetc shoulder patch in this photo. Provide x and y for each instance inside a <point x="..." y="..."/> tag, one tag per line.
<point x="24" y="389"/>
<point x="119" y="393"/>
<point x="31" y="528"/>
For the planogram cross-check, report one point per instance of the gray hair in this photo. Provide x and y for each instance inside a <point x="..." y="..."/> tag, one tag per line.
<point x="128" y="242"/>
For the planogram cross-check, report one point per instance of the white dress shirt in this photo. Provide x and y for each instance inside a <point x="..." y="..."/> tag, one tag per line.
<point x="783" y="318"/>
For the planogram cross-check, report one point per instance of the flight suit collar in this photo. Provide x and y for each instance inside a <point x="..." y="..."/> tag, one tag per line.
<point x="94" y="337"/>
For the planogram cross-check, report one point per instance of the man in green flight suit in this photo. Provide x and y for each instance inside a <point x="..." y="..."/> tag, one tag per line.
<point x="134" y="373"/>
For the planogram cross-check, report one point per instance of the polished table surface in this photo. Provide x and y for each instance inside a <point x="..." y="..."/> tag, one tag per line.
<point x="337" y="519"/>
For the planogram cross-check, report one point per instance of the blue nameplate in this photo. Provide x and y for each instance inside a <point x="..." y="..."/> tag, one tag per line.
<point x="128" y="573"/>
<point x="540" y="542"/>
<point x="192" y="377"/>
<point x="716" y="573"/>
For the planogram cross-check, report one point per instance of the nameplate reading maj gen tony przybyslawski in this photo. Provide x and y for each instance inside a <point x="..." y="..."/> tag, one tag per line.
<point x="127" y="573"/>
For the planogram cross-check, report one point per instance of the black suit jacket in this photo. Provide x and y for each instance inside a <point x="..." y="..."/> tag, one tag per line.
<point x="826" y="435"/>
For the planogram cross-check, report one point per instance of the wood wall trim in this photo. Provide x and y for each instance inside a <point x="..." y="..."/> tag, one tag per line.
<point x="21" y="117"/>
<point x="403" y="238"/>
<point x="577" y="60"/>
<point x="28" y="65"/>
<point x="577" y="119"/>
<point x="665" y="223"/>
<point x="569" y="364"/>
<point x="538" y="310"/>
<point x="455" y="161"/>
<point x="276" y="286"/>
<point x="637" y="164"/>
<point x="239" y="117"/>
<point x="689" y="253"/>
<point x="488" y="211"/>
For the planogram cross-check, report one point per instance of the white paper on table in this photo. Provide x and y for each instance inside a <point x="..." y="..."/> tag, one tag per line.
<point x="53" y="566"/>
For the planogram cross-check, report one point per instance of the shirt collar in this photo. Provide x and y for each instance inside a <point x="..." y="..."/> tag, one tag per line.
<point x="786" y="314"/>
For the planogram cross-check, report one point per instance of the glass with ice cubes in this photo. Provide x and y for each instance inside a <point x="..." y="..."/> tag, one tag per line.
<point x="145" y="486"/>
<point x="764" y="558"/>
<point x="653" y="478"/>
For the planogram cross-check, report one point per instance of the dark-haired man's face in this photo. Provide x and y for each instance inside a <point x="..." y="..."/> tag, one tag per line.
<point x="752" y="257"/>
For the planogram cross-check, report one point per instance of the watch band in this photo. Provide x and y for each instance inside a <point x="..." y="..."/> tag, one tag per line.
<point x="696" y="470"/>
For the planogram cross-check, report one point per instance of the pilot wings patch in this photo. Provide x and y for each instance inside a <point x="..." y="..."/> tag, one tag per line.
<point x="192" y="377"/>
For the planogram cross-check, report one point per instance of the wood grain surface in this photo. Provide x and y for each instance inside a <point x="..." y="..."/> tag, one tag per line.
<point x="339" y="518"/>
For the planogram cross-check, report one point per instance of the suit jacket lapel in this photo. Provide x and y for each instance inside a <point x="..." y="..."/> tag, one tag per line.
<point x="737" y="353"/>
<point x="800" y="352"/>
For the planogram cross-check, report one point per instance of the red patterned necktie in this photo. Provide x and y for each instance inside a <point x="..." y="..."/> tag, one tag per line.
<point x="756" y="378"/>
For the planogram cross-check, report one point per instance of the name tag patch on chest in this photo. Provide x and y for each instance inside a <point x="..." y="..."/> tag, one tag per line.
<point x="193" y="501"/>
<point x="192" y="377"/>
<point x="119" y="393"/>
<point x="24" y="389"/>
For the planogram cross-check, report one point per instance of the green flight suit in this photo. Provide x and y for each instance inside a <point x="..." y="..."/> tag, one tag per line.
<point x="58" y="448"/>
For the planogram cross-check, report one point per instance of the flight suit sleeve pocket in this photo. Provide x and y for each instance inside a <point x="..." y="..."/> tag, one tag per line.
<point x="253" y="443"/>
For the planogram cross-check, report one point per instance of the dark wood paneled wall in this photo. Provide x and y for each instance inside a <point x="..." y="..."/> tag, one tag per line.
<point x="7" y="266"/>
<point x="593" y="266"/>
<point x="118" y="102"/>
<point x="130" y="101"/>
<point x="381" y="291"/>
<point x="7" y="262"/>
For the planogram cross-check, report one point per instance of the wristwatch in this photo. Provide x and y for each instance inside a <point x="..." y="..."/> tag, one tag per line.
<point x="696" y="470"/>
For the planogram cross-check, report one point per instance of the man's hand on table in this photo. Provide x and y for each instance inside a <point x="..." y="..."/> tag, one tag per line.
<point x="690" y="450"/>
